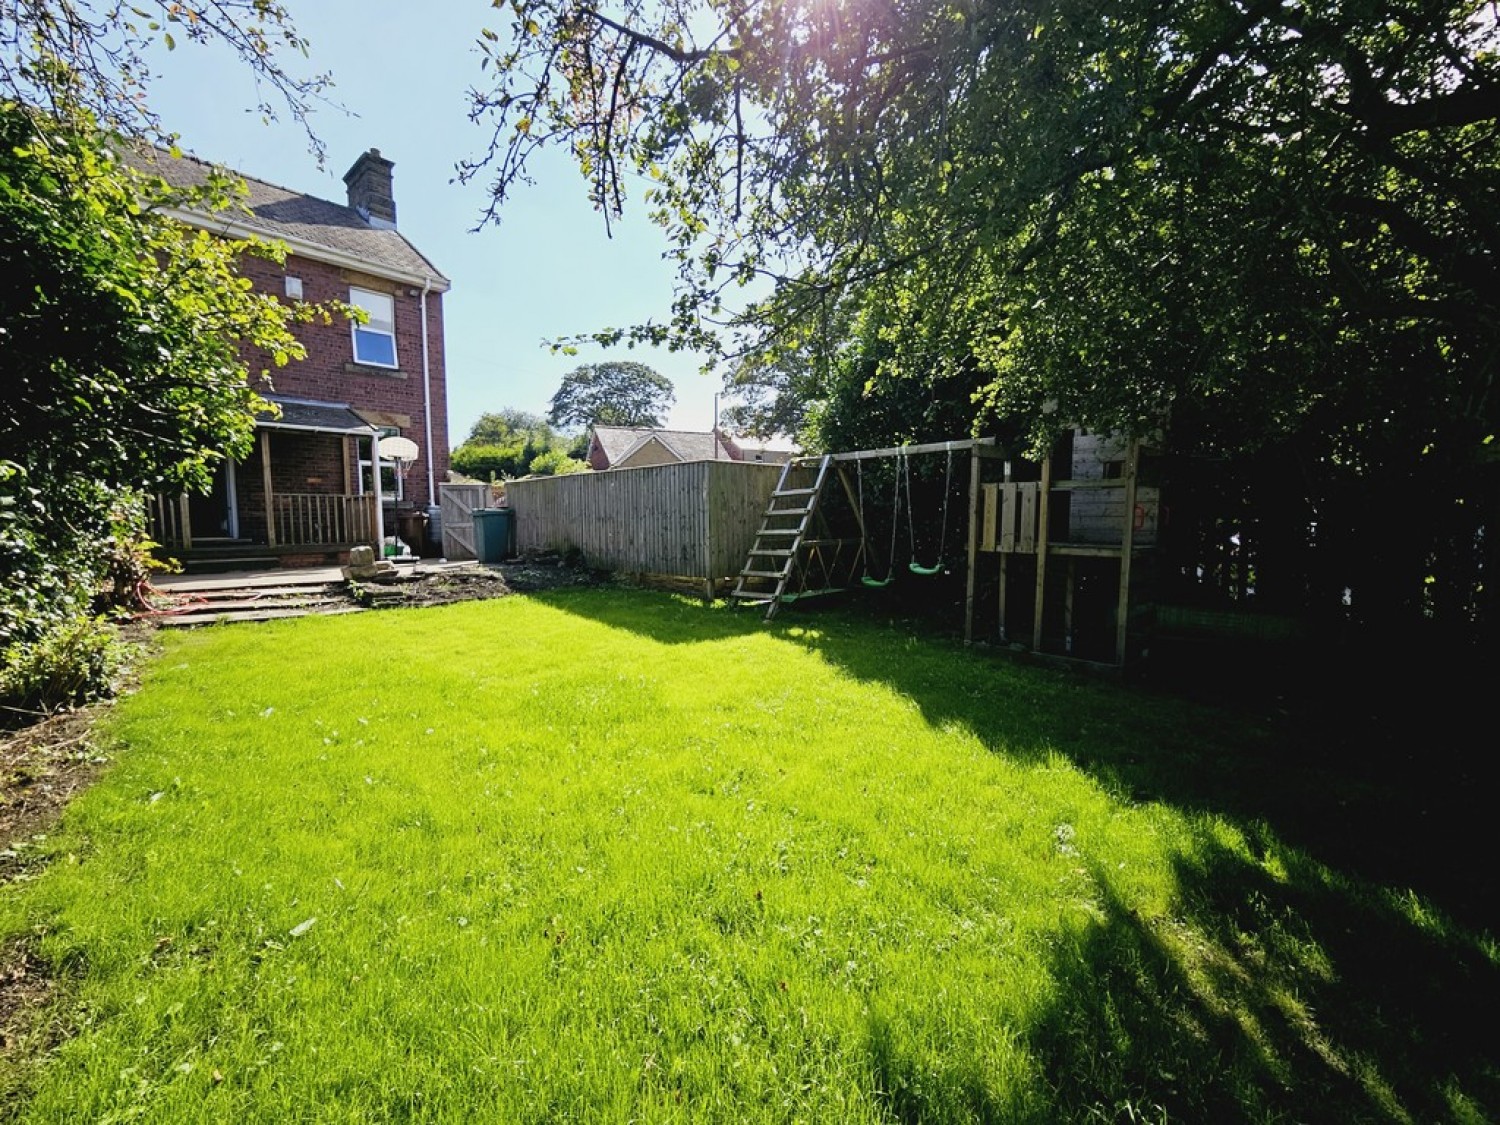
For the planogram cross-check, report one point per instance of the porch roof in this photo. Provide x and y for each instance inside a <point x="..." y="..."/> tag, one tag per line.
<point x="308" y="416"/>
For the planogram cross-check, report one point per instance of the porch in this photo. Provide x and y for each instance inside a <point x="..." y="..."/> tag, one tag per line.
<point x="305" y="495"/>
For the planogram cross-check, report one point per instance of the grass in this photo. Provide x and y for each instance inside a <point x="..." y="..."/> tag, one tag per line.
<point x="603" y="855"/>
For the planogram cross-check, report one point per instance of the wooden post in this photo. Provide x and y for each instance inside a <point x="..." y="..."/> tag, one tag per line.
<point x="1127" y="548"/>
<point x="1043" y="504"/>
<point x="350" y="455"/>
<point x="974" y="464"/>
<point x="265" y="471"/>
<point x="860" y="553"/>
<point x="1068" y="606"/>
<point x="187" y="523"/>
<point x="1007" y="514"/>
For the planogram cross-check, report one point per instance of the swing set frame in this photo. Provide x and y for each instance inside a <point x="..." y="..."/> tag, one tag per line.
<point x="978" y="449"/>
<point x="1009" y="525"/>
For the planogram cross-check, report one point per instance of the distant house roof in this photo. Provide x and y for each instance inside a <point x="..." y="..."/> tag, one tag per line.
<point x="619" y="443"/>
<point x="307" y="225"/>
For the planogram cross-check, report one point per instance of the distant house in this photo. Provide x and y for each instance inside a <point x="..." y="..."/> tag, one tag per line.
<point x="321" y="477"/>
<point x="629" y="447"/>
<point x="765" y="454"/>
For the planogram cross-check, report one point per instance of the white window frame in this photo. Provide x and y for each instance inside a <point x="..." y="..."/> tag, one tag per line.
<point x="366" y="482"/>
<point x="379" y="323"/>
<point x="392" y="487"/>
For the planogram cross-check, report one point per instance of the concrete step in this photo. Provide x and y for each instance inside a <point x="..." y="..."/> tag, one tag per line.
<point x="193" y="620"/>
<point x="218" y="563"/>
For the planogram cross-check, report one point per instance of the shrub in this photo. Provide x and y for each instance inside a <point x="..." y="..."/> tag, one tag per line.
<point x="555" y="463"/>
<point x="72" y="662"/>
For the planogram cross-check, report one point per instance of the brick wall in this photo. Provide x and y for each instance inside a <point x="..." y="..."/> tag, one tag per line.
<point x="329" y="373"/>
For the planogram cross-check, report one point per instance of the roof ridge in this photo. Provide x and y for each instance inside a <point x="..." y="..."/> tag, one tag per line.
<point x="222" y="166"/>
<point x="276" y="212"/>
<point x="657" y="430"/>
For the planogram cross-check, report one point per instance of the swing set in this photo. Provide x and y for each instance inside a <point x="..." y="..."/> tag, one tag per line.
<point x="903" y="475"/>
<point x="806" y="545"/>
<point x="1062" y="540"/>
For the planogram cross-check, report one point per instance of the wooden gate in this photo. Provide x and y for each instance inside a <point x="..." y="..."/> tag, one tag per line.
<point x="458" y="502"/>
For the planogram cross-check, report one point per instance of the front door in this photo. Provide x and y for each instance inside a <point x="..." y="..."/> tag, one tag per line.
<point x="213" y="516"/>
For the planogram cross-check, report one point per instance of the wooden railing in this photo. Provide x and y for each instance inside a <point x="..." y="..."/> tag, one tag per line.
<point x="306" y="518"/>
<point x="167" y="521"/>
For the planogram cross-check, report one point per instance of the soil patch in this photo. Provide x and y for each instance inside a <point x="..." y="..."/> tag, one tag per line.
<point x="464" y="584"/>
<point x="43" y="766"/>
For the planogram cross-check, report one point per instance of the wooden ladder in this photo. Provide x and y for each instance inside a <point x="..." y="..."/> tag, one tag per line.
<point x="773" y="557"/>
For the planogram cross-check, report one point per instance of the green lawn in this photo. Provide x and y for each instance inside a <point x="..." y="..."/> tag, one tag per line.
<point x="607" y="855"/>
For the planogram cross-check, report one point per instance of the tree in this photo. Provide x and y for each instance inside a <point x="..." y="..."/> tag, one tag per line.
<point x="513" y="443"/>
<point x="120" y="346"/>
<point x="510" y="426"/>
<point x="98" y="56"/>
<point x="613" y="393"/>
<point x="1266" y="225"/>
<point x="120" y="330"/>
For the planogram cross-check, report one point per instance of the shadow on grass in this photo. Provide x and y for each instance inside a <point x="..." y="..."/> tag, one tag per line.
<point x="1328" y="992"/>
<point x="1296" y="999"/>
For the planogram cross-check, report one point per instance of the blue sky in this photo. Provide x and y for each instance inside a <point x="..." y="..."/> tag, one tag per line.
<point x="547" y="270"/>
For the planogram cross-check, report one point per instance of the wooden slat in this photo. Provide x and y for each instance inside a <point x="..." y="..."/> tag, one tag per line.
<point x="317" y="518"/>
<point x="456" y="512"/>
<point x="1032" y="508"/>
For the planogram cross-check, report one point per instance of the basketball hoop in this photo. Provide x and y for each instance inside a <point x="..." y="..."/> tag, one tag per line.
<point x="403" y="451"/>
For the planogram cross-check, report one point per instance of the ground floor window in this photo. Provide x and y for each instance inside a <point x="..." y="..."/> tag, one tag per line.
<point x="392" y="486"/>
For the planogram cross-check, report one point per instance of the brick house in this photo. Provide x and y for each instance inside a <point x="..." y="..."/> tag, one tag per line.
<point x="308" y="490"/>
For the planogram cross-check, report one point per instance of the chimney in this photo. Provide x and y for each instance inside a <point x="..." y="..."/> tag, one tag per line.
<point x="369" y="184"/>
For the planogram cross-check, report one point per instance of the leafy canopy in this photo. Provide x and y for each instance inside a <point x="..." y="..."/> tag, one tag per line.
<point x="119" y="335"/>
<point x="613" y="393"/>
<point x="120" y="330"/>
<point x="1257" y="218"/>
<point x="513" y="443"/>
<point x="506" y="426"/>
<point x="98" y="56"/>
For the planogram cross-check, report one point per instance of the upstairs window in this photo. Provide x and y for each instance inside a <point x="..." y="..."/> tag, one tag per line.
<point x="375" y="342"/>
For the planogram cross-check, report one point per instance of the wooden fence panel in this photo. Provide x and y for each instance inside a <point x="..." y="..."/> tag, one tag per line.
<point x="696" y="519"/>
